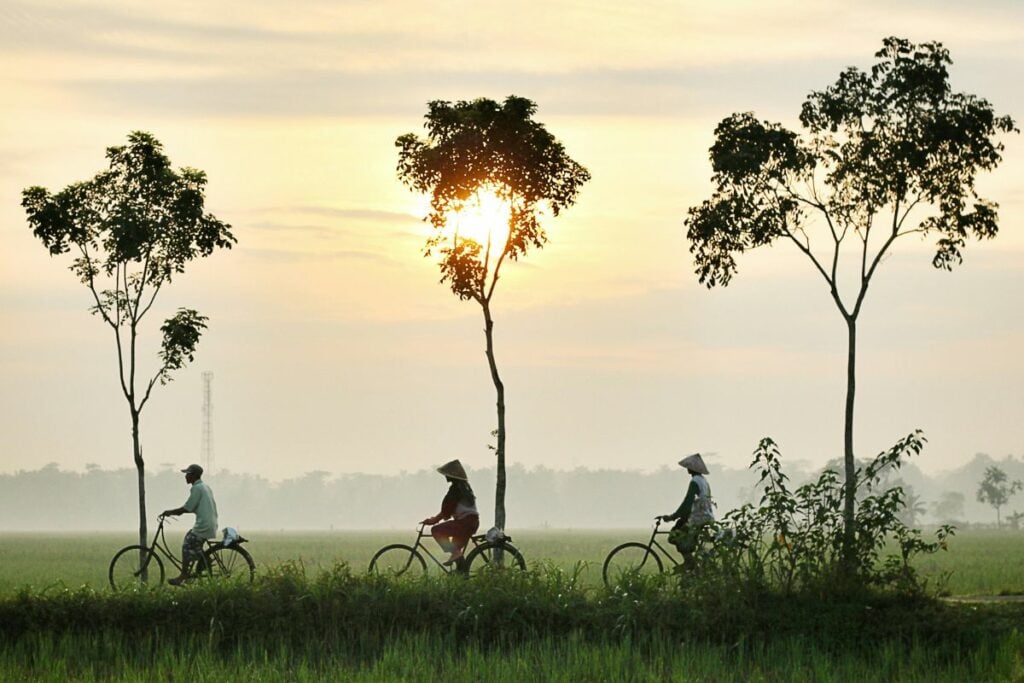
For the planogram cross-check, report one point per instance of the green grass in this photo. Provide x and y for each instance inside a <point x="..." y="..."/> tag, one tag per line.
<point x="434" y="658"/>
<point x="979" y="562"/>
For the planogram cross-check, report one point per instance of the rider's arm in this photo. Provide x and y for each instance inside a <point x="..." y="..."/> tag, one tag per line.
<point x="684" y="508"/>
<point x="190" y="505"/>
<point x="451" y="499"/>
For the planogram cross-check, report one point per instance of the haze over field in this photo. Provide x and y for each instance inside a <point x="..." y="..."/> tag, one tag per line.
<point x="333" y="346"/>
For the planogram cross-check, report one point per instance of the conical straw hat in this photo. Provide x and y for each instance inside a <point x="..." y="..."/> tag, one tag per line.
<point x="694" y="463"/>
<point x="453" y="469"/>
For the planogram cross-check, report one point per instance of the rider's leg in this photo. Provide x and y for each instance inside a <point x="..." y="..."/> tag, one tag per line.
<point x="442" y="534"/>
<point x="191" y="552"/>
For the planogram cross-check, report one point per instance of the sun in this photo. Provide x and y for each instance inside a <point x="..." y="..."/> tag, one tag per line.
<point x="484" y="219"/>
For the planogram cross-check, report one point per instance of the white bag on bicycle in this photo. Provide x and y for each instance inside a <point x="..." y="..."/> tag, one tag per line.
<point x="230" y="536"/>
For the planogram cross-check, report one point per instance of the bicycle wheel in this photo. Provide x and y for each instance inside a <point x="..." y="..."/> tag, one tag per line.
<point x="228" y="564"/>
<point x="482" y="558"/>
<point x="630" y="559"/>
<point x="135" y="567"/>
<point x="398" y="560"/>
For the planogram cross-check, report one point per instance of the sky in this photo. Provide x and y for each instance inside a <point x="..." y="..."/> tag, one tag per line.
<point x="332" y="344"/>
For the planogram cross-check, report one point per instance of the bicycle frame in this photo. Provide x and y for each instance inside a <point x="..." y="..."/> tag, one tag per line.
<point x="160" y="544"/>
<point x="420" y="546"/>
<point x="653" y="543"/>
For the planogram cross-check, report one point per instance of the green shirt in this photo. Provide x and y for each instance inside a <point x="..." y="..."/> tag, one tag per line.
<point x="686" y="506"/>
<point x="201" y="502"/>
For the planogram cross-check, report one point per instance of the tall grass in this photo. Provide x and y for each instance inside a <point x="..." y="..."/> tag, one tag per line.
<point x="433" y="657"/>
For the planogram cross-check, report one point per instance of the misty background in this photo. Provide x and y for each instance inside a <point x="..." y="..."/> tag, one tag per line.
<point x="53" y="499"/>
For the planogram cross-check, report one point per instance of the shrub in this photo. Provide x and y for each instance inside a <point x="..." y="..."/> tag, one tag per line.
<point x="793" y="540"/>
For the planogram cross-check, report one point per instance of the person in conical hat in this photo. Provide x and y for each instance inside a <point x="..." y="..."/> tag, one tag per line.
<point x="694" y="463"/>
<point x="696" y="510"/>
<point x="459" y="508"/>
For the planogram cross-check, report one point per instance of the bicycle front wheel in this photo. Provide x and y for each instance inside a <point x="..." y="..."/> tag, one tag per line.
<point x="398" y="560"/>
<point x="135" y="567"/>
<point x="228" y="564"/>
<point x="485" y="558"/>
<point x="629" y="560"/>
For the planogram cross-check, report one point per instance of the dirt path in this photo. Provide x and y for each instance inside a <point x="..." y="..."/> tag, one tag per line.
<point x="984" y="598"/>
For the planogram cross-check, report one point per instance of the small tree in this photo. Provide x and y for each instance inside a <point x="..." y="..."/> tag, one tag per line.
<point x="879" y="146"/>
<point x="481" y="147"/>
<point x="913" y="505"/>
<point x="1015" y="520"/>
<point x="949" y="507"/>
<point x="133" y="228"/>
<point x="996" y="489"/>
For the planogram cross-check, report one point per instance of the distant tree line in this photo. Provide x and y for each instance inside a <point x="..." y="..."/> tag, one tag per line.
<point x="99" y="499"/>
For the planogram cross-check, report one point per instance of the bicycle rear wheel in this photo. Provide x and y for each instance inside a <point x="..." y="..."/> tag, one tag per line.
<point x="135" y="567"/>
<point x="483" y="558"/>
<point x="630" y="560"/>
<point x="398" y="560"/>
<point x="228" y="564"/>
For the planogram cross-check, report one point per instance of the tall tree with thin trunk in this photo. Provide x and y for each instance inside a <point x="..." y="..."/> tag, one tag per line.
<point x="885" y="153"/>
<point x="996" y="489"/>
<point x="477" y="153"/>
<point x="132" y="228"/>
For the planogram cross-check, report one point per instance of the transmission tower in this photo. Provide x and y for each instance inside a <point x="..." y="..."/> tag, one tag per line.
<point x="206" y="445"/>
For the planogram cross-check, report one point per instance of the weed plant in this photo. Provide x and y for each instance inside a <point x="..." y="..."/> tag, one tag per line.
<point x="793" y="541"/>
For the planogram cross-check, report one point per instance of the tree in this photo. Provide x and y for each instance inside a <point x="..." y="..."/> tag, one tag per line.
<point x="949" y="507"/>
<point x="913" y="505"/>
<point x="996" y="489"/>
<point x="132" y="228"/>
<point x="877" y="147"/>
<point x="479" y="149"/>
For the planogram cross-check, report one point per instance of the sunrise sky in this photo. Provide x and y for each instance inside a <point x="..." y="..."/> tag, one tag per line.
<point x="333" y="345"/>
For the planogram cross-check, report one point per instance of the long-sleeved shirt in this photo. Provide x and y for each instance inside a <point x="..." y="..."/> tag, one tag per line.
<point x="457" y="505"/>
<point x="692" y="492"/>
<point x="683" y="512"/>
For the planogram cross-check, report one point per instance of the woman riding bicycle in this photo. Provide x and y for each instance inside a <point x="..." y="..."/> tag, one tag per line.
<point x="459" y="505"/>
<point x="694" y="512"/>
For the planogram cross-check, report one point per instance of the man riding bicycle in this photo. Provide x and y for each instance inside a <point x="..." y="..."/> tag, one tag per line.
<point x="201" y="503"/>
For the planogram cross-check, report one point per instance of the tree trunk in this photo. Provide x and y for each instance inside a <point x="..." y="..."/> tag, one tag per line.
<point x="141" y="468"/>
<point x="499" y="490"/>
<point x="849" y="530"/>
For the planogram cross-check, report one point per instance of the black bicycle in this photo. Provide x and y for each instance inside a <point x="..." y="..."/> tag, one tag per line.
<point x="400" y="559"/>
<point x="632" y="559"/>
<point x="137" y="565"/>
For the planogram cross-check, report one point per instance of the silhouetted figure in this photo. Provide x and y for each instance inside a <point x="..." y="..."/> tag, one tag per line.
<point x="459" y="505"/>
<point x="201" y="503"/>
<point x="694" y="512"/>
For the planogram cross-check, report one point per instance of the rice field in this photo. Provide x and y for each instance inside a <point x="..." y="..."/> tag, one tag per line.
<point x="414" y="647"/>
<point x="978" y="562"/>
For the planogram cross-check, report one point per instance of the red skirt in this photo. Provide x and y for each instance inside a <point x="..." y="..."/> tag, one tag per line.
<point x="458" y="529"/>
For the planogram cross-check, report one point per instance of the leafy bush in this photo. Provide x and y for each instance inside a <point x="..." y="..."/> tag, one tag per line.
<point x="793" y="540"/>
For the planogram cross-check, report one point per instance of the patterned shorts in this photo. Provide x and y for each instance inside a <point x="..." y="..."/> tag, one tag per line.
<point x="191" y="548"/>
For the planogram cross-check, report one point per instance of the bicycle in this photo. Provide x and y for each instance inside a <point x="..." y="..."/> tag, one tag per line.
<point x="398" y="559"/>
<point x="635" y="558"/>
<point x="138" y="565"/>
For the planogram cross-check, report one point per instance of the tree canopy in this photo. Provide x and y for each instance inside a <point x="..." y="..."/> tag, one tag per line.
<point x="483" y="145"/>
<point x="877" y="144"/>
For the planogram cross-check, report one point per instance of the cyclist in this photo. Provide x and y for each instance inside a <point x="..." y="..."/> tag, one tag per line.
<point x="201" y="503"/>
<point x="459" y="505"/>
<point x="694" y="512"/>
